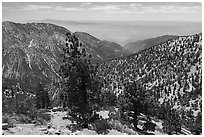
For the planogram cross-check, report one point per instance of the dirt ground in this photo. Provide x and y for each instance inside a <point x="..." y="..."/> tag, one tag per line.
<point x="56" y="126"/>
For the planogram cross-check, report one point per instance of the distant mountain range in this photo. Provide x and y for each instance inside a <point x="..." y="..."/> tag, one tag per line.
<point x="140" y="45"/>
<point x="31" y="52"/>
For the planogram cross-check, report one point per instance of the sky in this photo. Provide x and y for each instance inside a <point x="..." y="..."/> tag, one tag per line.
<point x="102" y="11"/>
<point x="121" y="22"/>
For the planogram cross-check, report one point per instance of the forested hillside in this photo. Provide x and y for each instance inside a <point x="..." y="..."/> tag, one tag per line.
<point x="170" y="73"/>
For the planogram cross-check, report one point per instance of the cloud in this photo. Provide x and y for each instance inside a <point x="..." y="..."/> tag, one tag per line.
<point x="171" y="9"/>
<point x="118" y="8"/>
<point x="119" y="11"/>
<point x="105" y="7"/>
<point x="165" y="7"/>
<point x="36" y="7"/>
<point x="134" y="5"/>
<point x="62" y="8"/>
<point x="85" y="4"/>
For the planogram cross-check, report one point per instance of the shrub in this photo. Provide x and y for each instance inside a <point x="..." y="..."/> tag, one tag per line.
<point x="24" y="119"/>
<point x="45" y="116"/>
<point x="195" y="126"/>
<point x="74" y="127"/>
<point x="115" y="124"/>
<point x="114" y="115"/>
<point x="102" y="126"/>
<point x="108" y="99"/>
<point x="40" y="121"/>
<point x="12" y="120"/>
<point x="172" y="122"/>
<point x="5" y="118"/>
<point x="149" y="126"/>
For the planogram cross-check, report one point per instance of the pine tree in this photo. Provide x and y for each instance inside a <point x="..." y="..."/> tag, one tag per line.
<point x="172" y="120"/>
<point x="194" y="124"/>
<point x="42" y="97"/>
<point x="80" y="88"/>
<point x="136" y="101"/>
<point x="39" y="91"/>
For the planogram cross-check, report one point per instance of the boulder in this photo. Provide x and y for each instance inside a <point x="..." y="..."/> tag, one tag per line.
<point x="57" y="132"/>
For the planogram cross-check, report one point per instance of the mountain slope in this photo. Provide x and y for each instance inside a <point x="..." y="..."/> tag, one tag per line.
<point x="102" y="49"/>
<point x="31" y="53"/>
<point x="140" y="45"/>
<point x="170" y="71"/>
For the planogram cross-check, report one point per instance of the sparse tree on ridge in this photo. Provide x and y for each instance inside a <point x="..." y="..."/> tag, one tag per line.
<point x="80" y="86"/>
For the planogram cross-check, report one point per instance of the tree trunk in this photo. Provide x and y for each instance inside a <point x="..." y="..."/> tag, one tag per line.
<point x="16" y="100"/>
<point x="85" y="102"/>
<point x="43" y="101"/>
<point x="83" y="80"/>
<point x="135" y="122"/>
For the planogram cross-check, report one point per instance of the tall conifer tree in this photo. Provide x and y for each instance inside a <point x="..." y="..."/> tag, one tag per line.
<point x="80" y="87"/>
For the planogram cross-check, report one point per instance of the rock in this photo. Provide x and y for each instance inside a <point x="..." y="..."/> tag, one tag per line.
<point x="57" y="132"/>
<point x="64" y="118"/>
<point x="5" y="126"/>
<point x="50" y="133"/>
<point x="55" y="109"/>
<point x="33" y="121"/>
<point x="129" y="131"/>
<point x="90" y="127"/>
<point x="19" y="128"/>
<point x="51" y="130"/>
<point x="46" y="132"/>
<point x="49" y="126"/>
<point x="43" y="129"/>
<point x="103" y="114"/>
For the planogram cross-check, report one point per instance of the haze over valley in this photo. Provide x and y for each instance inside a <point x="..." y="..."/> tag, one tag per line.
<point x="123" y="32"/>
